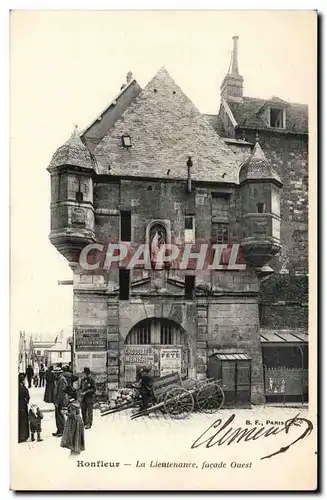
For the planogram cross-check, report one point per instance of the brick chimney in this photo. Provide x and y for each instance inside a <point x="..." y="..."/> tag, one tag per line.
<point x="232" y="86"/>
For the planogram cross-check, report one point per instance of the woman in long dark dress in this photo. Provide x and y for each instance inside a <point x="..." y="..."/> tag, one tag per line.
<point x="23" y="400"/>
<point x="49" y="385"/>
<point x="73" y="436"/>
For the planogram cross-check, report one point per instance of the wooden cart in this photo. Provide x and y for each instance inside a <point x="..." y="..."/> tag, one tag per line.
<point x="178" y="398"/>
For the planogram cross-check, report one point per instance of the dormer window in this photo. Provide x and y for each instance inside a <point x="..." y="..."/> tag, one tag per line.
<point x="277" y="117"/>
<point x="127" y="141"/>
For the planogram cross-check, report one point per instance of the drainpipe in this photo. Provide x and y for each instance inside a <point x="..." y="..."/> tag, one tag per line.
<point x="189" y="164"/>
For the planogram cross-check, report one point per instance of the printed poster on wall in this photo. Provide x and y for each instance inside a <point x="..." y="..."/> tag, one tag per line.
<point x="170" y="360"/>
<point x="95" y="361"/>
<point x="87" y="339"/>
<point x="130" y="373"/>
<point x="139" y="355"/>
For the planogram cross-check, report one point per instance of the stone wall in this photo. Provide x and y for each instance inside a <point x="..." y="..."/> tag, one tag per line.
<point x="284" y="302"/>
<point x="233" y="324"/>
<point x="228" y="315"/>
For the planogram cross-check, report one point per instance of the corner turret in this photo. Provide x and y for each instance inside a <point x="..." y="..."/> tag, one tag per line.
<point x="260" y="187"/>
<point x="72" y="213"/>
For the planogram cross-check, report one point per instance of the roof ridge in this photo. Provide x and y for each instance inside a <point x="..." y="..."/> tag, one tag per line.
<point x="122" y="90"/>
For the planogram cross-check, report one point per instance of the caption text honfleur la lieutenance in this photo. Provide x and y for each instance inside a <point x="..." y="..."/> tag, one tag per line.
<point x="168" y="465"/>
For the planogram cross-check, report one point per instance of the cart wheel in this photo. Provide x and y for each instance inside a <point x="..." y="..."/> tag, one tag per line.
<point x="179" y="403"/>
<point x="210" y="398"/>
<point x="162" y="396"/>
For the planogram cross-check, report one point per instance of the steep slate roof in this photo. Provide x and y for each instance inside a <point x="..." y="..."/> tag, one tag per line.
<point x="165" y="128"/>
<point x="258" y="167"/>
<point x="73" y="153"/>
<point x="216" y="122"/>
<point x="247" y="114"/>
<point x="98" y="128"/>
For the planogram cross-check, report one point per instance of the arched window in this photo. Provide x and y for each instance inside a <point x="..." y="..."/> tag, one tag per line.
<point x="156" y="332"/>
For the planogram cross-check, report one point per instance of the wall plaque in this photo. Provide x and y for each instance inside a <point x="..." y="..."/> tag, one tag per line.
<point x="90" y="339"/>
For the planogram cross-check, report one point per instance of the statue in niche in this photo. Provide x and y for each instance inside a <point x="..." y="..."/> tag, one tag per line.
<point x="158" y="240"/>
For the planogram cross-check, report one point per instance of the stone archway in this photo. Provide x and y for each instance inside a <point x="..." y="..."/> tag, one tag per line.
<point x="159" y="342"/>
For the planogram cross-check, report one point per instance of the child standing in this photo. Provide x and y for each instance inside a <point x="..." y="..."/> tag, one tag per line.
<point x="35" y="416"/>
<point x="73" y="436"/>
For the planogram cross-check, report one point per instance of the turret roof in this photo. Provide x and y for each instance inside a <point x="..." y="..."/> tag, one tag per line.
<point x="73" y="153"/>
<point x="258" y="167"/>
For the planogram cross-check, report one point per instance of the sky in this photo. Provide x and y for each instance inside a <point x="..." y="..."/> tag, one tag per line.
<point x="66" y="67"/>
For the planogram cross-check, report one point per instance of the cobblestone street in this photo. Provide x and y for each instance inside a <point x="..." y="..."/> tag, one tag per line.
<point x="118" y="440"/>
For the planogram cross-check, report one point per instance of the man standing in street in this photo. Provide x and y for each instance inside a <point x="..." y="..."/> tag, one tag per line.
<point x="59" y="402"/>
<point x="41" y="376"/>
<point x="146" y="390"/>
<point x="87" y="394"/>
<point x="29" y="375"/>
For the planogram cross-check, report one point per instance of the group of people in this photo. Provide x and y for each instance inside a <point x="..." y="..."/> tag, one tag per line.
<point x="73" y="398"/>
<point x="37" y="375"/>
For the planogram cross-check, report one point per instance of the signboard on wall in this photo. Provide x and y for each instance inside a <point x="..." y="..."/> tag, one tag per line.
<point x="170" y="360"/>
<point x="139" y="355"/>
<point x="90" y="339"/>
<point x="96" y="361"/>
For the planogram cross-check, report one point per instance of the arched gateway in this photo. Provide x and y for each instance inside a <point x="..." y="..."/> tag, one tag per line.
<point x="158" y="342"/>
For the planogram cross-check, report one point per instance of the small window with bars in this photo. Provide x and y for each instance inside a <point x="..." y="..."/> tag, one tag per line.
<point x="166" y="334"/>
<point x="220" y="233"/>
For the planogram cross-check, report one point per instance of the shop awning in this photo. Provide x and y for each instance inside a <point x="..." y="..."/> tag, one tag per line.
<point x="230" y="356"/>
<point x="283" y="336"/>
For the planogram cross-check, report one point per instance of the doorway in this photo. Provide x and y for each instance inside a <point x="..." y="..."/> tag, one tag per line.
<point x="234" y="371"/>
<point x="159" y="343"/>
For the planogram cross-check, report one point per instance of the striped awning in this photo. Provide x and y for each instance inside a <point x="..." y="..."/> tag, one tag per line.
<point x="231" y="356"/>
<point x="283" y="336"/>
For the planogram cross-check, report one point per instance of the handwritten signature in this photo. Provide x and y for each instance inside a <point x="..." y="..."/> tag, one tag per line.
<point x="214" y="436"/>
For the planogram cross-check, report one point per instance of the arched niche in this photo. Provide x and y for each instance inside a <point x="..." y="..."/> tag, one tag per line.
<point x="157" y="235"/>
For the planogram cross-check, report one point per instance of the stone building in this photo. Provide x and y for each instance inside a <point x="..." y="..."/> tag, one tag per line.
<point x="283" y="130"/>
<point x="152" y="170"/>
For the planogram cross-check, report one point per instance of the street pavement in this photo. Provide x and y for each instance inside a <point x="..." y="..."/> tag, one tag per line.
<point x="116" y="439"/>
<point x="36" y="397"/>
